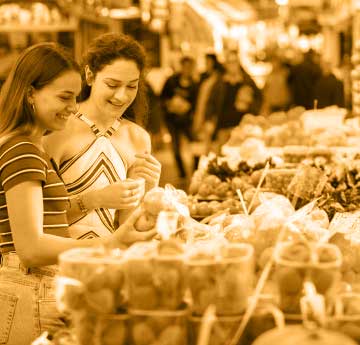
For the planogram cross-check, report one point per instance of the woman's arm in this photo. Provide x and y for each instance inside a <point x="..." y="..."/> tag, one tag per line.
<point x="25" y="210"/>
<point x="143" y="165"/>
<point x="123" y="195"/>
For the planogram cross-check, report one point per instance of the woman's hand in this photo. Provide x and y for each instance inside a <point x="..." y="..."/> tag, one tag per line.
<point x="126" y="234"/>
<point x="147" y="167"/>
<point x="119" y="195"/>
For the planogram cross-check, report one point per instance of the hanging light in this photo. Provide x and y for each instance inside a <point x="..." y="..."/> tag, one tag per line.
<point x="282" y="2"/>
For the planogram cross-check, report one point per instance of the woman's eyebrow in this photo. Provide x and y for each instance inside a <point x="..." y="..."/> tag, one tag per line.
<point x="120" y="81"/>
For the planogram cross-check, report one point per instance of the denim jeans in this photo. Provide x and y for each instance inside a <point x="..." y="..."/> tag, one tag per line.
<point x="27" y="301"/>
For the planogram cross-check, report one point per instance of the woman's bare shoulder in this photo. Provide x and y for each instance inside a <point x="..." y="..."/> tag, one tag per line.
<point x="138" y="135"/>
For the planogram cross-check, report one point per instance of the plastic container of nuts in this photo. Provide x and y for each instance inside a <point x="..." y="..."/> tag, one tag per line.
<point x="298" y="261"/>
<point x="91" y="279"/>
<point x="156" y="275"/>
<point x="223" y="276"/>
<point x="159" y="326"/>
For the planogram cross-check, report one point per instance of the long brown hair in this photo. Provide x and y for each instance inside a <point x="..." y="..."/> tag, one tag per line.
<point x="103" y="51"/>
<point x="36" y="67"/>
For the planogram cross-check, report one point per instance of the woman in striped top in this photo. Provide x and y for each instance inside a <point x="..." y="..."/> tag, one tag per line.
<point x="38" y="97"/>
<point x="103" y="153"/>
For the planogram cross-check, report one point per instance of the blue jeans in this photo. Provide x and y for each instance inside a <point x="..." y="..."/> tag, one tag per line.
<point x="27" y="301"/>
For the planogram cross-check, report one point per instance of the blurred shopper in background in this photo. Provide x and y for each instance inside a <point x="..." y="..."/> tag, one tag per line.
<point x="178" y="98"/>
<point x="155" y="119"/>
<point x="328" y="89"/>
<point x="38" y="97"/>
<point x="302" y="79"/>
<point x="276" y="92"/>
<point x="233" y="95"/>
<point x="204" y="122"/>
<point x="104" y="153"/>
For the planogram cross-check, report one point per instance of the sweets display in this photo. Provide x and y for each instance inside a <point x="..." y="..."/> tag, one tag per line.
<point x="322" y="127"/>
<point x="201" y="209"/>
<point x="294" y="207"/>
<point x="220" y="180"/>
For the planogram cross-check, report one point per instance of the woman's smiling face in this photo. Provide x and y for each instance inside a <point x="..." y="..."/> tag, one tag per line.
<point x="114" y="88"/>
<point x="56" y="101"/>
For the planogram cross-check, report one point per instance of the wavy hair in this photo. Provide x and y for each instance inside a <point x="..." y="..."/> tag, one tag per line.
<point x="36" y="67"/>
<point x="103" y="51"/>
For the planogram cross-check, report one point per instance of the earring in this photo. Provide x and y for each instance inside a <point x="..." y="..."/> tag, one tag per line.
<point x="33" y="107"/>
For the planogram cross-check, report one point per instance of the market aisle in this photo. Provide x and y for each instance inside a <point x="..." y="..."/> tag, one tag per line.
<point x="169" y="172"/>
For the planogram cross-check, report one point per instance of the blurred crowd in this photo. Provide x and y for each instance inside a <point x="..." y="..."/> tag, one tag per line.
<point x="204" y="107"/>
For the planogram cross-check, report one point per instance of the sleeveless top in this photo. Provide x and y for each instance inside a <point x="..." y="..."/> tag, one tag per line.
<point x="95" y="166"/>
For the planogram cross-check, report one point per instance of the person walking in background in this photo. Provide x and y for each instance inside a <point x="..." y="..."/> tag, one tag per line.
<point x="276" y="92"/>
<point x="178" y="98"/>
<point x="204" y="122"/>
<point x="38" y="97"/>
<point x="233" y="95"/>
<point x="208" y="79"/>
<point x="328" y="89"/>
<point x="302" y="80"/>
<point x="103" y="153"/>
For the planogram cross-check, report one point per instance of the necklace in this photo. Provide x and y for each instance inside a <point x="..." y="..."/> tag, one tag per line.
<point x="98" y="133"/>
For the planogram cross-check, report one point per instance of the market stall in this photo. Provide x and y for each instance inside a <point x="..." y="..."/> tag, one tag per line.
<point x="266" y="238"/>
<point x="262" y="248"/>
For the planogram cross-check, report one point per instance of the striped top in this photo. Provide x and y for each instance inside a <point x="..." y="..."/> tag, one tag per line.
<point x="21" y="160"/>
<point x="97" y="165"/>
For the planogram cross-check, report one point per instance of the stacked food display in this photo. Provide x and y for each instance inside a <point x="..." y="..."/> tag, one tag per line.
<point x="265" y="236"/>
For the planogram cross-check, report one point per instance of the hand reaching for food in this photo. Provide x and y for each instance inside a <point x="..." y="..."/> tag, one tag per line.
<point x="121" y="195"/>
<point x="146" y="167"/>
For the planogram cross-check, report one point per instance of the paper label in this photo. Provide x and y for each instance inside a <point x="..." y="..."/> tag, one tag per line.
<point x="346" y="222"/>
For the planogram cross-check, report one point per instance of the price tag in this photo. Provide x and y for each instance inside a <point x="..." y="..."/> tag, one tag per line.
<point x="345" y="222"/>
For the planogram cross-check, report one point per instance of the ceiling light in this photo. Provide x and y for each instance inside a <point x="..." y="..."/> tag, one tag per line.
<point x="282" y="2"/>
